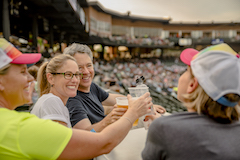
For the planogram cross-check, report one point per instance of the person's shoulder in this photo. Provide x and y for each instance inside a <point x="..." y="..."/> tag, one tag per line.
<point x="7" y="112"/>
<point x="94" y="85"/>
<point x="95" y="88"/>
<point x="50" y="99"/>
<point x="176" y="118"/>
<point x="50" y="96"/>
<point x="12" y="115"/>
<point x="77" y="100"/>
<point x="80" y="95"/>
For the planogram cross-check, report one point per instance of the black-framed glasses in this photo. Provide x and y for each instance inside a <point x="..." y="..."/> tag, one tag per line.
<point x="69" y="75"/>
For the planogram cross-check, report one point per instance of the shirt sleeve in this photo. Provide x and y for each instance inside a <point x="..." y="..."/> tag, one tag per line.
<point x="53" y="108"/>
<point x="77" y="113"/>
<point x="42" y="139"/>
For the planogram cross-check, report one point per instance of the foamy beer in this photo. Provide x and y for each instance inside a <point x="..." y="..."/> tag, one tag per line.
<point x="122" y="102"/>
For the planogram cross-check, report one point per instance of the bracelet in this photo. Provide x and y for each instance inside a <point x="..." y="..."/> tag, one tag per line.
<point x="128" y="120"/>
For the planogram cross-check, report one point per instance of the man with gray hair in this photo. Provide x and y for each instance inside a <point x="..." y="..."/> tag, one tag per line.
<point x="86" y="109"/>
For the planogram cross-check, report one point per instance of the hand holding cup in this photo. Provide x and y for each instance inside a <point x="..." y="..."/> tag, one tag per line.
<point x="141" y="105"/>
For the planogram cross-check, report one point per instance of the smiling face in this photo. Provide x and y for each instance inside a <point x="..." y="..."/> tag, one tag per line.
<point x="64" y="88"/>
<point x="85" y="65"/>
<point x="15" y="86"/>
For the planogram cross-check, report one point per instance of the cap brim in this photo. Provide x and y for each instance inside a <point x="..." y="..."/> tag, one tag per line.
<point x="187" y="55"/>
<point x="27" y="58"/>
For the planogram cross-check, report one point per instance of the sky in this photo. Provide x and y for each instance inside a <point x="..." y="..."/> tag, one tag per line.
<point x="185" y="11"/>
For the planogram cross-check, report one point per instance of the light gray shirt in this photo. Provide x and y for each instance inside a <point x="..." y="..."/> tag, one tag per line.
<point x="49" y="106"/>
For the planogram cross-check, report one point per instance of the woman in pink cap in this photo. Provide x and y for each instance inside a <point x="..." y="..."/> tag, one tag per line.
<point x="210" y="90"/>
<point x="25" y="136"/>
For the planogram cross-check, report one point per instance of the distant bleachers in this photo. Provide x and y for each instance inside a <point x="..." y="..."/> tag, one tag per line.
<point x="171" y="104"/>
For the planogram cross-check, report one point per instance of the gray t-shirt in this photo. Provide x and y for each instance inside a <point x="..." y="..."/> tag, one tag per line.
<point x="87" y="105"/>
<point x="49" y="106"/>
<point x="184" y="136"/>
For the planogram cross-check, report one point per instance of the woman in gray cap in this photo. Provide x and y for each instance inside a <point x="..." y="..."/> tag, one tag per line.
<point x="210" y="90"/>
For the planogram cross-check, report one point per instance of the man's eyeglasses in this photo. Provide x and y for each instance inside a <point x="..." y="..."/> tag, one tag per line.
<point x="69" y="75"/>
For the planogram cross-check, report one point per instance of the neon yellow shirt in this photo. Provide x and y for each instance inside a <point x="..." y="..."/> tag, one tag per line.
<point x="25" y="136"/>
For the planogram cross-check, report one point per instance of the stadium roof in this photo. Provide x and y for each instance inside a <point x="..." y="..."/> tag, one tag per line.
<point x="97" y="6"/>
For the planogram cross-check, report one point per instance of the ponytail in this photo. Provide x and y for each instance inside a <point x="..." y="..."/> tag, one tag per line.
<point x="43" y="84"/>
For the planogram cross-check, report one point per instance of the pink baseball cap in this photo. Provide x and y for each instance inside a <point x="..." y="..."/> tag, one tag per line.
<point x="10" y="54"/>
<point x="187" y="55"/>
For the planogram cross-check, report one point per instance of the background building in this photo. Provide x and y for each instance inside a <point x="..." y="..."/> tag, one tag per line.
<point x="45" y="23"/>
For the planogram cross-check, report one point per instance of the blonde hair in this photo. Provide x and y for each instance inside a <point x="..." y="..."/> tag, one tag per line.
<point x="4" y="69"/>
<point x="203" y="104"/>
<point x="50" y="67"/>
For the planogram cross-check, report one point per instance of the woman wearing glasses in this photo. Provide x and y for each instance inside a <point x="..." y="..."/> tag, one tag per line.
<point x="58" y="80"/>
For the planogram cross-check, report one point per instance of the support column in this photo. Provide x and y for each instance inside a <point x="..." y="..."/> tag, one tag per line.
<point x="35" y="31"/>
<point x="6" y="21"/>
<point x="162" y="52"/>
<point x="51" y="42"/>
<point x="101" y="53"/>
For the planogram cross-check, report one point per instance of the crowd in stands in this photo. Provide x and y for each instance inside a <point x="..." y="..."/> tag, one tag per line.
<point x="162" y="77"/>
<point x="147" y="40"/>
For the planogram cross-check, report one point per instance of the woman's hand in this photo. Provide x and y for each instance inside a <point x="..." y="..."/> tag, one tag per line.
<point x="152" y="116"/>
<point x="141" y="105"/>
<point x="159" y="109"/>
<point x="114" y="115"/>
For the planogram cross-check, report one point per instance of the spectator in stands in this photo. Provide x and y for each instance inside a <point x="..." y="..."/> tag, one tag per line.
<point x="58" y="80"/>
<point x="25" y="136"/>
<point x="86" y="110"/>
<point x="46" y="54"/>
<point x="210" y="90"/>
<point x="33" y="70"/>
<point x="40" y="62"/>
<point x="111" y="83"/>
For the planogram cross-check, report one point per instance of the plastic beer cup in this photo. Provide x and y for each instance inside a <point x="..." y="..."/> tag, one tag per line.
<point x="122" y="102"/>
<point x="137" y="92"/>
